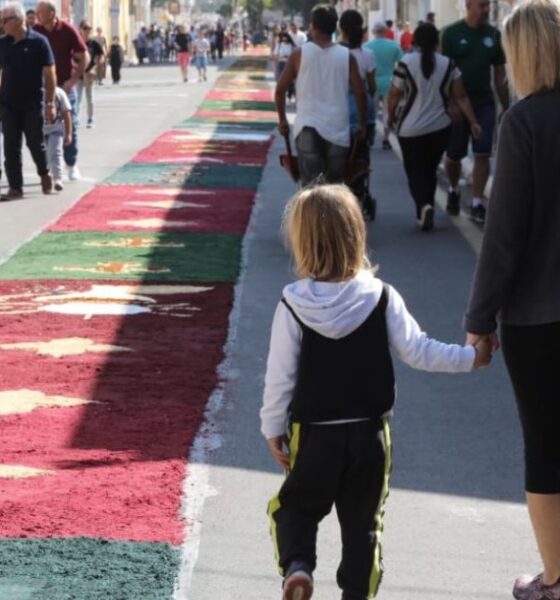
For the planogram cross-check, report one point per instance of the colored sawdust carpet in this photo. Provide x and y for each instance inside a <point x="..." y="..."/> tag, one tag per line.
<point x="226" y="125"/>
<point x="133" y="208"/>
<point x="193" y="175"/>
<point x="244" y="105"/>
<point x="122" y="419"/>
<point x="177" y="146"/>
<point x="112" y="325"/>
<point x="89" y="569"/>
<point x="164" y="257"/>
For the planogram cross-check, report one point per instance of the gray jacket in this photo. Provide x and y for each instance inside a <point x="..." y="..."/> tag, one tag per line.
<point x="518" y="274"/>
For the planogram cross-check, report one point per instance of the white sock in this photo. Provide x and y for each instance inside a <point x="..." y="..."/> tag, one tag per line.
<point x="476" y="202"/>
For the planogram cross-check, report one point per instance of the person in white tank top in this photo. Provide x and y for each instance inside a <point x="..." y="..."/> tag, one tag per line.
<point x="322" y="71"/>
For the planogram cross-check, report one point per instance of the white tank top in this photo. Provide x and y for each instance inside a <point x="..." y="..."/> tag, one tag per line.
<point x="322" y="92"/>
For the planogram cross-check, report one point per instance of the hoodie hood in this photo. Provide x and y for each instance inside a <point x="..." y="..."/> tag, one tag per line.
<point x="334" y="310"/>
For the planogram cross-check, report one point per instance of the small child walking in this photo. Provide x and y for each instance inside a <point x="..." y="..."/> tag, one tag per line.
<point x="330" y="389"/>
<point x="116" y="59"/>
<point x="57" y="135"/>
<point x="201" y="49"/>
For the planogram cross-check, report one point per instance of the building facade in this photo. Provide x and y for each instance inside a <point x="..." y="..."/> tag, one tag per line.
<point x="413" y="11"/>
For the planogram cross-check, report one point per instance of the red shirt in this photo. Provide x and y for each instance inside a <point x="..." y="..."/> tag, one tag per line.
<point x="390" y="34"/>
<point x="406" y="41"/>
<point x="65" y="41"/>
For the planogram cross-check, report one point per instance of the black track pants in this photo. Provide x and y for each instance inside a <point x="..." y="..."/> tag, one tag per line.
<point x="346" y="465"/>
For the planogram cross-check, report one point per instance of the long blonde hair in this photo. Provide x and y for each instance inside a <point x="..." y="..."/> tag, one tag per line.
<point x="325" y="231"/>
<point x="532" y="46"/>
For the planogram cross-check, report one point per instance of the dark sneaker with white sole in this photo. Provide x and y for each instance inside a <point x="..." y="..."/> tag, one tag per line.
<point x="478" y="214"/>
<point x="426" y="220"/>
<point x="298" y="583"/>
<point x="532" y="588"/>
<point x="453" y="203"/>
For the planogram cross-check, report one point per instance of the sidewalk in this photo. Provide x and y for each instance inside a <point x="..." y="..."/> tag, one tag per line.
<point x="455" y="526"/>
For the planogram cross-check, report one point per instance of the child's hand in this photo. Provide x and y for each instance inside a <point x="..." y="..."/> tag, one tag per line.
<point x="277" y="445"/>
<point x="67" y="140"/>
<point x="483" y="348"/>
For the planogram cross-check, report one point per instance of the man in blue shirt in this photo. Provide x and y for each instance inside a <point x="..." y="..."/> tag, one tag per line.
<point x="26" y="60"/>
<point x="387" y="54"/>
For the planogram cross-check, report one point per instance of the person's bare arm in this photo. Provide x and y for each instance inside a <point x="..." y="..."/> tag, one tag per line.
<point x="67" y="118"/>
<point x="395" y="95"/>
<point x="459" y="96"/>
<point x="501" y="85"/>
<point x="49" y="77"/>
<point x="288" y="76"/>
<point x="358" y="89"/>
<point x="81" y="59"/>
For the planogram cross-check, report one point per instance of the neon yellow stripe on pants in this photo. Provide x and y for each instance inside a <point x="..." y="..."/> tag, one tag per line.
<point x="377" y="570"/>
<point x="274" y="504"/>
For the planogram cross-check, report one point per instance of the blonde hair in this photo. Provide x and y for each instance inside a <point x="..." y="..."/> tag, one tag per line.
<point x="532" y="46"/>
<point x="325" y="231"/>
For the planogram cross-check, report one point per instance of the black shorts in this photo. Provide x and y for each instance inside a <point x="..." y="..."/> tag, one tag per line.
<point x="461" y="134"/>
<point x="532" y="356"/>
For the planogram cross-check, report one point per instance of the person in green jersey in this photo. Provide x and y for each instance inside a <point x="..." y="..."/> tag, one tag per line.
<point x="476" y="48"/>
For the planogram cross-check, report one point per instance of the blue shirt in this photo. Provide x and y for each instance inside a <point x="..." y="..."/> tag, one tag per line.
<point x="22" y="69"/>
<point x="387" y="55"/>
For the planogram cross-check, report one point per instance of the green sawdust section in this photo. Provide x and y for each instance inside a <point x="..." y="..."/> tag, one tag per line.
<point x="221" y="126"/>
<point x="188" y="175"/>
<point x="86" y="569"/>
<point x="238" y="105"/>
<point x="172" y="257"/>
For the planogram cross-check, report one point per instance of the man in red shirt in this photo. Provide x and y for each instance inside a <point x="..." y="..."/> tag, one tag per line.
<point x="71" y="58"/>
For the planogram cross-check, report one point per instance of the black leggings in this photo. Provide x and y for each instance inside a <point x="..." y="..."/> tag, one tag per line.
<point x="532" y="355"/>
<point x="421" y="157"/>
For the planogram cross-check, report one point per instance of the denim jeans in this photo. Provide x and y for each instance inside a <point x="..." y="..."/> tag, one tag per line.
<point x="71" y="151"/>
<point x="318" y="157"/>
<point x="17" y="122"/>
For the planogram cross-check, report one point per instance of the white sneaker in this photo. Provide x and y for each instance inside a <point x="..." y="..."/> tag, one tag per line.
<point x="73" y="173"/>
<point x="58" y="185"/>
<point x="426" y="220"/>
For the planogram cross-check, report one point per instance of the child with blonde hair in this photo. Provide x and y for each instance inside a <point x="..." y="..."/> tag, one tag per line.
<point x="330" y="389"/>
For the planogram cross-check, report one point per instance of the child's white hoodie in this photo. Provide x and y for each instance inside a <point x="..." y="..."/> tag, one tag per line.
<point x="335" y="310"/>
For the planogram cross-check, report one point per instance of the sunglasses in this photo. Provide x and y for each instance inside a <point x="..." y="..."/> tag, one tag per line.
<point x="87" y="28"/>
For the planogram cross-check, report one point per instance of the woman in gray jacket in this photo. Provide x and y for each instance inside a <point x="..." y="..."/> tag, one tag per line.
<point x="518" y="273"/>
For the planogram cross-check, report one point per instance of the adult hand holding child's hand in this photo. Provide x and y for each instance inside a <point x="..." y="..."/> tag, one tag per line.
<point x="277" y="445"/>
<point x="485" y="346"/>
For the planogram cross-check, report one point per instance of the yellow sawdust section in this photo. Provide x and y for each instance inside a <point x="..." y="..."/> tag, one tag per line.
<point x="65" y="347"/>
<point x="14" y="402"/>
<point x="21" y="472"/>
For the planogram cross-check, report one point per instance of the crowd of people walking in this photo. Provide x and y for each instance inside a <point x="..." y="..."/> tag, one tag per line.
<point x="325" y="409"/>
<point x="49" y="71"/>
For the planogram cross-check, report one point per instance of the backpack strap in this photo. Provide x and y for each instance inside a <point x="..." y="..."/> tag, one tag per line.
<point x="384" y="300"/>
<point x="292" y="311"/>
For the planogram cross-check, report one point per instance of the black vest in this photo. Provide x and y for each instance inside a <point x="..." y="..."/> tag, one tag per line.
<point x="348" y="378"/>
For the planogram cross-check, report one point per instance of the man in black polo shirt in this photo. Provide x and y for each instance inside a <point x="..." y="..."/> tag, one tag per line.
<point x="25" y="60"/>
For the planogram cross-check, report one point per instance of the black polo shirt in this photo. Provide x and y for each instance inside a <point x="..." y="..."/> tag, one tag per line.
<point x="22" y="69"/>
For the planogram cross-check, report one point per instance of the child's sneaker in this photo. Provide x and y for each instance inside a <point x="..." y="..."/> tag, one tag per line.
<point x="298" y="584"/>
<point x="58" y="186"/>
<point x="533" y="588"/>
